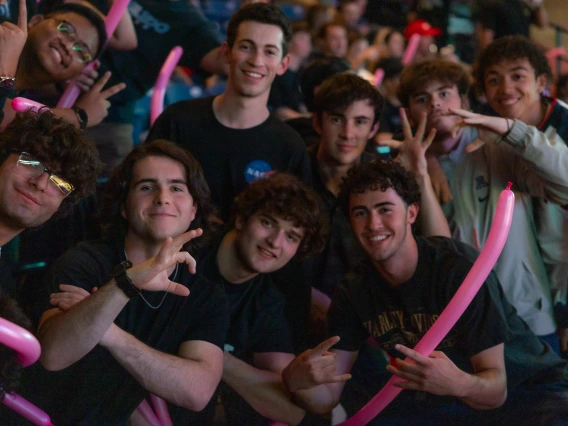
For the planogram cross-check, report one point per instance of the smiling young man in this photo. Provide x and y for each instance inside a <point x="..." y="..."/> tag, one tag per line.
<point x="125" y="323"/>
<point x="46" y="168"/>
<point x="514" y="73"/>
<point x="234" y="136"/>
<point x="274" y="220"/>
<point x="489" y="369"/>
<point x="514" y="152"/>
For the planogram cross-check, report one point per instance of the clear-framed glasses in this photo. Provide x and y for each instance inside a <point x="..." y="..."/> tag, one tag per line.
<point x="66" y="28"/>
<point x="32" y="168"/>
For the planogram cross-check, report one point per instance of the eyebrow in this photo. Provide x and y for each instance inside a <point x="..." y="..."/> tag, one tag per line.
<point x="274" y="220"/>
<point x="384" y="203"/>
<point x="517" y="68"/>
<point x="155" y="180"/>
<point x="445" y="86"/>
<point x="272" y="46"/>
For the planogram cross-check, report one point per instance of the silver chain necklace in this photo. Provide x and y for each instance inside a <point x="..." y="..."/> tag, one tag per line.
<point x="165" y="292"/>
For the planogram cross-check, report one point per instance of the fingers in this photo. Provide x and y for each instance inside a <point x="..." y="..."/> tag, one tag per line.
<point x="185" y="257"/>
<point x="23" y="16"/>
<point x="98" y="86"/>
<point x="177" y="289"/>
<point x="74" y="289"/>
<point x="113" y="90"/>
<point x="419" y="134"/>
<point x="462" y="112"/>
<point x="324" y="346"/>
<point x="340" y="378"/>
<point x="474" y="146"/>
<point x="391" y="143"/>
<point x="406" y="130"/>
<point x="411" y="353"/>
<point x="179" y="241"/>
<point x="428" y="141"/>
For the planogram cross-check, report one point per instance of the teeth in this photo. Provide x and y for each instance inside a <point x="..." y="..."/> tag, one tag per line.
<point x="253" y="74"/>
<point x="267" y="252"/>
<point x="57" y="54"/>
<point x="378" y="238"/>
<point x="508" y="101"/>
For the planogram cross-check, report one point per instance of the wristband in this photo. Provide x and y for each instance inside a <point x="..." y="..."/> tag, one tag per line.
<point x="82" y="117"/>
<point x="122" y="280"/>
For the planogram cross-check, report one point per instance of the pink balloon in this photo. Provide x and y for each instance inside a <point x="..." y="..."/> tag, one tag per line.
<point x="411" y="49"/>
<point x="21" y="340"/>
<point x="157" y="105"/>
<point x="449" y="316"/>
<point x="26" y="410"/>
<point x="161" y="410"/>
<point x="555" y="52"/>
<point x="379" y="75"/>
<point x="72" y="92"/>
<point x="146" y="410"/>
<point x="23" y="104"/>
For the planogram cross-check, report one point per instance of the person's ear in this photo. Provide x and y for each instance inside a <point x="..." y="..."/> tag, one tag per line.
<point x="374" y="130"/>
<point x="36" y="19"/>
<point x="541" y="83"/>
<point x="239" y="221"/>
<point x="226" y="51"/>
<point x="316" y="122"/>
<point x="412" y="213"/>
<point x="283" y="65"/>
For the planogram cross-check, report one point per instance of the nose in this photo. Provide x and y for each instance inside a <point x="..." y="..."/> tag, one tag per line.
<point x="162" y="196"/>
<point x="347" y="129"/>
<point x="435" y="101"/>
<point x="255" y="58"/>
<point x="505" y="85"/>
<point x="275" y="238"/>
<point x="41" y="181"/>
<point x="374" y="221"/>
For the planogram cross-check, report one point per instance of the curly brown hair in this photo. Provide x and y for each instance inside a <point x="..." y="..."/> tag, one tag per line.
<point x="416" y="76"/>
<point x="114" y="197"/>
<point x="286" y="197"/>
<point x="379" y="174"/>
<point x="512" y="48"/>
<point x="57" y="144"/>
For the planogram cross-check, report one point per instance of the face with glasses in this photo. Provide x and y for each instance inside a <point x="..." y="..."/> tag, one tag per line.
<point x="63" y="44"/>
<point x="30" y="193"/>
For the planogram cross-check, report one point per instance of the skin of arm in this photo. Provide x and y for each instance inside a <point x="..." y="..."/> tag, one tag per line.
<point x="484" y="389"/>
<point x="214" y="62"/>
<point x="188" y="379"/>
<point x="124" y="36"/>
<point x="317" y="376"/>
<point x="261" y="385"/>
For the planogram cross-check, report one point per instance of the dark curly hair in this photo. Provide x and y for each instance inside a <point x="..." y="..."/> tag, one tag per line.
<point x="339" y="91"/>
<point x="286" y="197"/>
<point x="262" y="13"/>
<point x="316" y="72"/>
<point x="10" y="366"/>
<point x="378" y="174"/>
<point x="60" y="146"/>
<point x="56" y="7"/>
<point x="416" y="76"/>
<point x="116" y="190"/>
<point x="512" y="48"/>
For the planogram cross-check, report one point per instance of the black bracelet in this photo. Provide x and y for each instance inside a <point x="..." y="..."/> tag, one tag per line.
<point x="82" y="117"/>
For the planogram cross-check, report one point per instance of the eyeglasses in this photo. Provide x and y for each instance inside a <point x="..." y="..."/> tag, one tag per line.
<point x="70" y="32"/>
<point x="31" y="168"/>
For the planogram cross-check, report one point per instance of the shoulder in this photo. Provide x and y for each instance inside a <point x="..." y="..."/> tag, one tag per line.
<point x="445" y="253"/>
<point x="182" y="108"/>
<point x="282" y="130"/>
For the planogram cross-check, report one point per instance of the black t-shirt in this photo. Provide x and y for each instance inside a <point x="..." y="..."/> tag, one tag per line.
<point x="97" y="390"/>
<point x="232" y="158"/>
<point x="390" y="119"/>
<point x="366" y="305"/>
<point x="285" y="91"/>
<point x="159" y="25"/>
<point x="505" y="17"/>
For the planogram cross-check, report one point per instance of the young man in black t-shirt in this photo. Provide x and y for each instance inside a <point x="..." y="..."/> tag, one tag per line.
<point x="234" y="136"/>
<point x="274" y="220"/>
<point x="489" y="369"/>
<point x="125" y="323"/>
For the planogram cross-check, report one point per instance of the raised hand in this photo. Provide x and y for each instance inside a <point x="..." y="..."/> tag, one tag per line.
<point x="436" y="374"/>
<point x="152" y="274"/>
<point x="413" y="148"/>
<point x="86" y="80"/>
<point x="12" y="40"/>
<point x="489" y="129"/>
<point x="95" y="101"/>
<point x="313" y="367"/>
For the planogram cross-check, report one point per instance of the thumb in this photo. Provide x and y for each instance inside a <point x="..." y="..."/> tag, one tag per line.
<point x="474" y="146"/>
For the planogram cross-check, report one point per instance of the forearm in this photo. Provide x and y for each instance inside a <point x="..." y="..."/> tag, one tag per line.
<point x="317" y="400"/>
<point x="431" y="219"/>
<point x="262" y="389"/>
<point x="183" y="381"/>
<point x="66" y="337"/>
<point x="485" y="390"/>
<point x="214" y="63"/>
